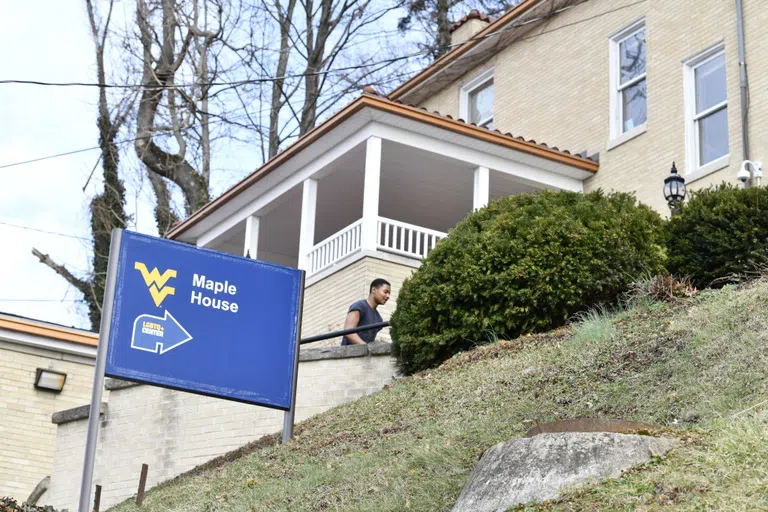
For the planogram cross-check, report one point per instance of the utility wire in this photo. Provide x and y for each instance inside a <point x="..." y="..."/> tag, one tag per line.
<point x="263" y="79"/>
<point x="243" y="82"/>
<point x="45" y="231"/>
<point x="41" y="300"/>
<point x="235" y="83"/>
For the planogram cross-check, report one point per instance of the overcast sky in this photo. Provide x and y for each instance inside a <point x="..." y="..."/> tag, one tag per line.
<point x="50" y="41"/>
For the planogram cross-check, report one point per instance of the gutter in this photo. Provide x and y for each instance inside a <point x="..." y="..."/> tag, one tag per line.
<point x="743" y="82"/>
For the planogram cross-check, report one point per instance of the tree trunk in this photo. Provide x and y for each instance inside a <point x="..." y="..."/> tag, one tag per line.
<point x="157" y="77"/>
<point x="107" y="208"/>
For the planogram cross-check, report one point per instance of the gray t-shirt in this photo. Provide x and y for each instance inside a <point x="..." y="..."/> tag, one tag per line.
<point x="368" y="316"/>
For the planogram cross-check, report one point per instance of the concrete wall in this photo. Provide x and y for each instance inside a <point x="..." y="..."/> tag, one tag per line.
<point x="554" y="87"/>
<point x="173" y="432"/>
<point x="27" y="436"/>
<point x="327" y="300"/>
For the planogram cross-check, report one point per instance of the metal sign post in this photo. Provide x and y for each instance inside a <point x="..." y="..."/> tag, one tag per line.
<point x="290" y="415"/>
<point x="98" y="372"/>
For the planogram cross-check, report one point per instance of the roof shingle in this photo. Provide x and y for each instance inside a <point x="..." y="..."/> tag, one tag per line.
<point x="474" y="14"/>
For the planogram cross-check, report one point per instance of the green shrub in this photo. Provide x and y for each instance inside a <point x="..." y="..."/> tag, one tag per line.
<point x="719" y="234"/>
<point x="523" y="264"/>
<point x="8" y="504"/>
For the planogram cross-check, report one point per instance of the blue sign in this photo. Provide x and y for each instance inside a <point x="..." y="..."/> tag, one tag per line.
<point x="203" y="321"/>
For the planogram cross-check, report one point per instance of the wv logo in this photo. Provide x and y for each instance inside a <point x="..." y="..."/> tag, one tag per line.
<point x="156" y="282"/>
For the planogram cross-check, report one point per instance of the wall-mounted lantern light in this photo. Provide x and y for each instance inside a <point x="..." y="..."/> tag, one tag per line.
<point x="674" y="190"/>
<point x="50" y="380"/>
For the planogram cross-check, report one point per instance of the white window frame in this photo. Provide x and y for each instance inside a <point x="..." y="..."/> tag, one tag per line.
<point x="617" y="135"/>
<point x="468" y="88"/>
<point x="694" y="169"/>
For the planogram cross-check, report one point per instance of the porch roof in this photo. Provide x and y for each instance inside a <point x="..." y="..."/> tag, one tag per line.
<point x="45" y="330"/>
<point x="370" y="100"/>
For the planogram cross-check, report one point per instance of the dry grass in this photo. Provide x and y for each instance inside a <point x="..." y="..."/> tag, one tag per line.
<point x="686" y="366"/>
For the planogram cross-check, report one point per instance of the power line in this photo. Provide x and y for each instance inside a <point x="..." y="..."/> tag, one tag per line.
<point x="235" y="83"/>
<point x="243" y="82"/>
<point x="92" y="148"/>
<point x="264" y="79"/>
<point x="41" y="300"/>
<point x="53" y="156"/>
<point x="45" y="231"/>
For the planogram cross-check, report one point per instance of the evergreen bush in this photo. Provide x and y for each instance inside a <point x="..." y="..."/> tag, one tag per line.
<point x="720" y="235"/>
<point x="523" y="264"/>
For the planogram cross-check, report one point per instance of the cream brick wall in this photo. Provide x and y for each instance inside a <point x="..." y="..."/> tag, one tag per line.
<point x="326" y="302"/>
<point x="27" y="436"/>
<point x="555" y="87"/>
<point x="467" y="30"/>
<point x="172" y="432"/>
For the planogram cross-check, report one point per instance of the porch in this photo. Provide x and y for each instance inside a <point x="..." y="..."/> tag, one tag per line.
<point x="380" y="179"/>
<point x="380" y="197"/>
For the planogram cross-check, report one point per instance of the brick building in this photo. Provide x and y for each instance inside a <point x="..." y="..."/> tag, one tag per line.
<point x="35" y="357"/>
<point x="626" y="86"/>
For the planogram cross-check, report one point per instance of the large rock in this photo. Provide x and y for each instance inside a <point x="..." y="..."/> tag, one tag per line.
<point x="538" y="468"/>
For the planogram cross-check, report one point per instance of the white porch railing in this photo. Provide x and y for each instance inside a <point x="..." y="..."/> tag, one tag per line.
<point x="393" y="236"/>
<point x="335" y="247"/>
<point x="406" y="239"/>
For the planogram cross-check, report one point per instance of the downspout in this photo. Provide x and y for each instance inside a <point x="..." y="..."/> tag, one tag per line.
<point x="743" y="87"/>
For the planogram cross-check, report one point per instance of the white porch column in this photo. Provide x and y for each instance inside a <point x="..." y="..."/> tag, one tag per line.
<point x="308" y="211"/>
<point x="251" y="246"/>
<point x="372" y="182"/>
<point x="482" y="188"/>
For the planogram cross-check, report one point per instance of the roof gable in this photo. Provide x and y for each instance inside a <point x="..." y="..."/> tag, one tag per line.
<point x="508" y="28"/>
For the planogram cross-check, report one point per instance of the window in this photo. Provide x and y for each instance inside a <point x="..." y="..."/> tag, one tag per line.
<point x="477" y="101"/>
<point x="706" y="109"/>
<point x="628" y="88"/>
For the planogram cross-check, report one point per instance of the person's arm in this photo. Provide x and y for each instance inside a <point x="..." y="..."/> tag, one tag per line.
<point x="353" y="319"/>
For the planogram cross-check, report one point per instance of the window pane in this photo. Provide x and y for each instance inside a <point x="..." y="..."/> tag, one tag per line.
<point x="632" y="56"/>
<point x="710" y="83"/>
<point x="633" y="106"/>
<point x="713" y="136"/>
<point x="481" y="103"/>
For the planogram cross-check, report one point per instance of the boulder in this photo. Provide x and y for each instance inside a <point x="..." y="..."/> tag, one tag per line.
<point x="540" y="467"/>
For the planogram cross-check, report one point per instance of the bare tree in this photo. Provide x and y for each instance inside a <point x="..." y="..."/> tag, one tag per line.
<point x="201" y="62"/>
<point x="158" y="77"/>
<point x="108" y="208"/>
<point x="329" y="49"/>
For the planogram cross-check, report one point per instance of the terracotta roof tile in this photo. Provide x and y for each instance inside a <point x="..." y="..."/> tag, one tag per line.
<point x="474" y="14"/>
<point x="507" y="134"/>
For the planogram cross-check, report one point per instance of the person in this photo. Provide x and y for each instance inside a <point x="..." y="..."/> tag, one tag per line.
<point x="363" y="312"/>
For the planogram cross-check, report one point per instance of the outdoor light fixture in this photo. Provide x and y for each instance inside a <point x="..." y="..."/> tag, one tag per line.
<point x="50" y="380"/>
<point x="750" y="178"/>
<point x="674" y="189"/>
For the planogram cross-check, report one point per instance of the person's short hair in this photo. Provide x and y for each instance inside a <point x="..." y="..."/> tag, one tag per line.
<point x="378" y="283"/>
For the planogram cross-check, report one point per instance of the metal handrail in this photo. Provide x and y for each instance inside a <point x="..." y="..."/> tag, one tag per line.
<point x="344" y="332"/>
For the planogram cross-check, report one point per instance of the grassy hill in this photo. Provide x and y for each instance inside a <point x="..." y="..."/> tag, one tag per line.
<point x="697" y="368"/>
